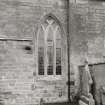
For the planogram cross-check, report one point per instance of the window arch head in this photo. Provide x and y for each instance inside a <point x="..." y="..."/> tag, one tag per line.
<point x="50" y="48"/>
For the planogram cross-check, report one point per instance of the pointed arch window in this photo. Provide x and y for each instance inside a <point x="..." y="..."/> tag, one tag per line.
<point x="49" y="48"/>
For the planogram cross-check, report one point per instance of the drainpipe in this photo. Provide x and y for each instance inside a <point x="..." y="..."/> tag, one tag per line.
<point x="68" y="46"/>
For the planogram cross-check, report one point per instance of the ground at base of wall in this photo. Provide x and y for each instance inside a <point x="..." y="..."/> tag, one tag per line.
<point x="62" y="103"/>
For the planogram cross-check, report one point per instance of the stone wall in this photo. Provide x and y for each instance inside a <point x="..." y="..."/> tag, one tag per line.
<point x="87" y="25"/>
<point x="19" y="21"/>
<point x="88" y="31"/>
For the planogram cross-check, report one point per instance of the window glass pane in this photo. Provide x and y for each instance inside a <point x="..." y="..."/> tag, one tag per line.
<point x="41" y="38"/>
<point x="41" y="61"/>
<point x="58" y="43"/>
<point x="58" y="61"/>
<point x="58" y="52"/>
<point x="41" y="52"/>
<point x="50" y="34"/>
<point x="50" y="60"/>
<point x="58" y="33"/>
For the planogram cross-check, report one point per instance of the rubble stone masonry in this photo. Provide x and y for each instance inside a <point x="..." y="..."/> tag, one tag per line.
<point x="19" y="21"/>
<point x="87" y="22"/>
<point x="19" y="82"/>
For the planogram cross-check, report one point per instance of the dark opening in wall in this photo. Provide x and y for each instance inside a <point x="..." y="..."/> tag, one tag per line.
<point x="28" y="49"/>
